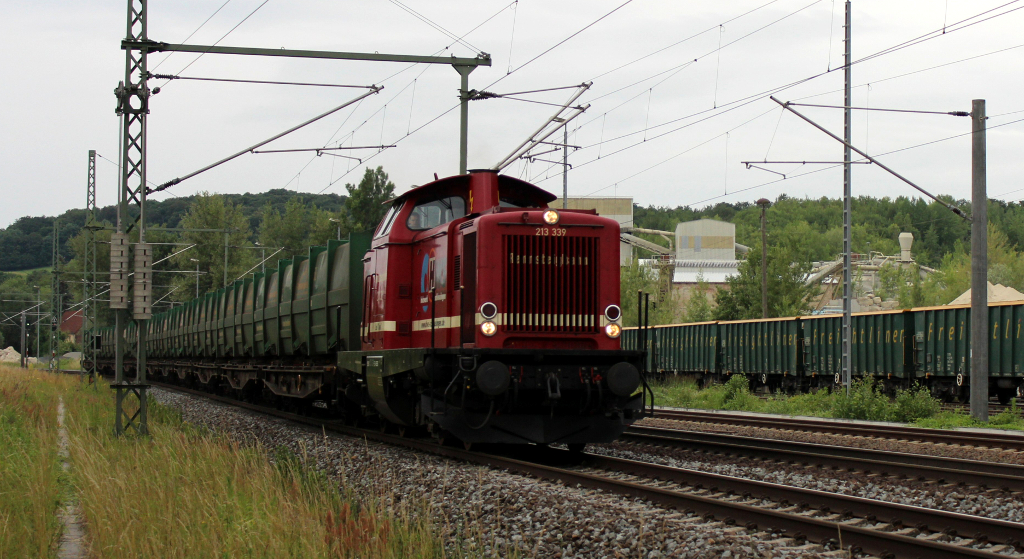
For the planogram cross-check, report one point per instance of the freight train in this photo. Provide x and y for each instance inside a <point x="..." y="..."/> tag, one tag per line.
<point x="474" y="312"/>
<point x="899" y="348"/>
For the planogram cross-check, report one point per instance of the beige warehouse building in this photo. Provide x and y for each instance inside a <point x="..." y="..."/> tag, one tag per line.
<point x="619" y="209"/>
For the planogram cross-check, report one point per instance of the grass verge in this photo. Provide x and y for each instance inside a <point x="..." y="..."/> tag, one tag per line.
<point x="864" y="402"/>
<point x="29" y="473"/>
<point x="1010" y="418"/>
<point x="183" y="492"/>
<point x="188" y="492"/>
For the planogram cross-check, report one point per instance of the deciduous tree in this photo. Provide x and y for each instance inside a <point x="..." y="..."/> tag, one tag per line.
<point x="787" y="294"/>
<point x="212" y="211"/>
<point x="365" y="204"/>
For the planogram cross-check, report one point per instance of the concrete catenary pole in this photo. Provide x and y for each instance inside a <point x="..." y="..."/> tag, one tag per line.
<point x="763" y="202"/>
<point x="226" y="238"/>
<point x="847" y="211"/>
<point x="39" y="306"/>
<point x="464" y="96"/>
<point x="565" y="167"/>
<point x="24" y="343"/>
<point x="979" y="265"/>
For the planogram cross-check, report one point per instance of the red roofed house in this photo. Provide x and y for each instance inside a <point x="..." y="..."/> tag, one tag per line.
<point x="71" y="323"/>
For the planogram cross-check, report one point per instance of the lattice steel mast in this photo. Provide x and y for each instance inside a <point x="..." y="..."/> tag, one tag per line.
<point x="55" y="306"/>
<point x="89" y="307"/>
<point x="132" y="106"/>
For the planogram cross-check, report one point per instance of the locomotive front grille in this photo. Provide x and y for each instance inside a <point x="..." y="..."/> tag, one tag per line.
<point x="551" y="284"/>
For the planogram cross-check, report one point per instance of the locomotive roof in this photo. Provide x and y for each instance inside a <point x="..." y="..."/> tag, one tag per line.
<point x="506" y="184"/>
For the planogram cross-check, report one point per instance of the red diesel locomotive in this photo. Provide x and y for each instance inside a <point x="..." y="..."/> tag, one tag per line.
<point x="492" y="317"/>
<point x="482" y="315"/>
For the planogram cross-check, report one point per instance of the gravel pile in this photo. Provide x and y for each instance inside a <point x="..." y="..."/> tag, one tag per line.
<point x="892" y="445"/>
<point x="482" y="511"/>
<point x="1003" y="505"/>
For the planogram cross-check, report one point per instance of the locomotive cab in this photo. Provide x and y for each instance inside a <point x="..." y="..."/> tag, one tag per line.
<point x="490" y="316"/>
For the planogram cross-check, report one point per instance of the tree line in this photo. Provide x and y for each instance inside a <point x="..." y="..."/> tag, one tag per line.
<point x="279" y="223"/>
<point x="285" y="225"/>
<point x="803" y="231"/>
<point x="28" y="242"/>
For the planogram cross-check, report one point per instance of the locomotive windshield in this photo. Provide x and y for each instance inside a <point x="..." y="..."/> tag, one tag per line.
<point x="427" y="215"/>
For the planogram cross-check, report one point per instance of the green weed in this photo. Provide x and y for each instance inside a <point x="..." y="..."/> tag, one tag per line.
<point x="865" y="401"/>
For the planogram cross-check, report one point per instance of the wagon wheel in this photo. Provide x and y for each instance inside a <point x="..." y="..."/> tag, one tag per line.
<point x="1004" y="395"/>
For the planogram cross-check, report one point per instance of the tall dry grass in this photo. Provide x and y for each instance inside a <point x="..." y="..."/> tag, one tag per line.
<point x="29" y="471"/>
<point x="186" y="492"/>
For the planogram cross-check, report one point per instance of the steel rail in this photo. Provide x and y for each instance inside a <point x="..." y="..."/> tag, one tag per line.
<point x="799" y="526"/>
<point x="896" y="515"/>
<point x="994" y="475"/>
<point x="966" y="438"/>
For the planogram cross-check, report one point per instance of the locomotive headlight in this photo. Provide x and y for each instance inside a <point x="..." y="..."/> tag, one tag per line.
<point x="551" y="217"/>
<point x="489" y="328"/>
<point x="488" y="310"/>
<point x="613" y="330"/>
<point x="613" y="313"/>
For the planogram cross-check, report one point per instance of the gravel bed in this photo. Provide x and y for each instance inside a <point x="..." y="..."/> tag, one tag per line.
<point x="480" y="511"/>
<point x="893" y="445"/>
<point x="1003" y="505"/>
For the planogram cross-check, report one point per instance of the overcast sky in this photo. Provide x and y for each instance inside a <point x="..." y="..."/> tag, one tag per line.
<point x="661" y="127"/>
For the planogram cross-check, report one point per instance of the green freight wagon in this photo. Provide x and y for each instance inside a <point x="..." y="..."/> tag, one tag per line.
<point x="1006" y="350"/>
<point x="337" y="294"/>
<point x="288" y="280"/>
<point x="767" y="351"/>
<point x="271" y="326"/>
<point x="248" y="303"/>
<point x="258" y="310"/>
<point x="689" y="348"/>
<point x="300" y="302"/>
<point x="680" y="348"/>
<point x="631" y="341"/>
<point x="942" y="342"/>
<point x="207" y="347"/>
<point x="234" y="331"/>
<point x="881" y="346"/>
<point x="942" y="348"/>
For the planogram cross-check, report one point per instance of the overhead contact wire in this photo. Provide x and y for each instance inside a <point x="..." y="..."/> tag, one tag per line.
<point x="246" y="18"/>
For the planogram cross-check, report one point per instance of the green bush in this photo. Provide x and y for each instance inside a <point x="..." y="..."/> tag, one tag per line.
<point x="914" y="404"/>
<point x="737" y="385"/>
<point x="863" y="402"/>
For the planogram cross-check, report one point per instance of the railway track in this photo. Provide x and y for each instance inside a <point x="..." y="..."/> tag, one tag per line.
<point x="1009" y="477"/>
<point x="993" y="408"/>
<point x="862" y="525"/>
<point x="1010" y="441"/>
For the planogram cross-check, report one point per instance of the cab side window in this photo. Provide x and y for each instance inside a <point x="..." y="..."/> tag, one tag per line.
<point x="430" y="214"/>
<point x="385" y="225"/>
